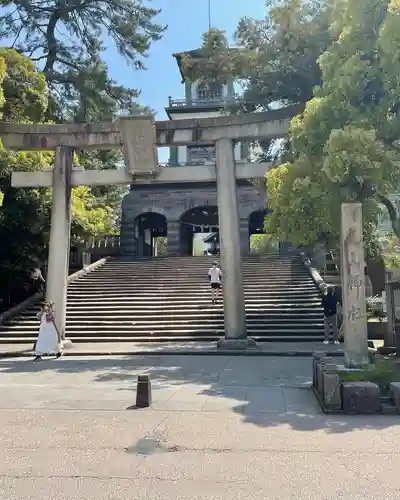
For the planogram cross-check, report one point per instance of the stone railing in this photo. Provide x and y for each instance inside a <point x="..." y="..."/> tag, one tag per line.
<point x="108" y="241"/>
<point x="199" y="163"/>
<point x="34" y="299"/>
<point x="317" y="278"/>
<point x="210" y="101"/>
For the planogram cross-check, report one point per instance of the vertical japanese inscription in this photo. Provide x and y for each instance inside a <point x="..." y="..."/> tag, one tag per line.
<point x="353" y="285"/>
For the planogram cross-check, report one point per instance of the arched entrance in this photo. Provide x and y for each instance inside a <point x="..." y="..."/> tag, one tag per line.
<point x="199" y="231"/>
<point x="257" y="222"/>
<point x="260" y="241"/>
<point x="150" y="230"/>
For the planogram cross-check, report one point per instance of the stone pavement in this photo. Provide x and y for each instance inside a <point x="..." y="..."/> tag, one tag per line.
<point x="221" y="428"/>
<point x="200" y="348"/>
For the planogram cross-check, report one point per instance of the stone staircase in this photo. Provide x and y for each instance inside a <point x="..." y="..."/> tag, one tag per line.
<point x="169" y="299"/>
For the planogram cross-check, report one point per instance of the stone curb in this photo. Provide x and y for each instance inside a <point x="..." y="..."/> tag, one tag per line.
<point x="71" y="353"/>
<point x="385" y="408"/>
<point x="338" y="396"/>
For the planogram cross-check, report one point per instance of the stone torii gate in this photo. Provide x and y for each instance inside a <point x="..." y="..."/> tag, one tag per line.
<point x="139" y="137"/>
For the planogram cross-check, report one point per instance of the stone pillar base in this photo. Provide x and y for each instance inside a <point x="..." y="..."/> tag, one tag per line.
<point x="237" y="344"/>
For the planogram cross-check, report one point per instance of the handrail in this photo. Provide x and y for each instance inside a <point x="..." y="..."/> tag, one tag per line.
<point x="14" y="311"/>
<point x="317" y="278"/>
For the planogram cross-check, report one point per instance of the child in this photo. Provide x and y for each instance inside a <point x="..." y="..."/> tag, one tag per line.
<point x="49" y="340"/>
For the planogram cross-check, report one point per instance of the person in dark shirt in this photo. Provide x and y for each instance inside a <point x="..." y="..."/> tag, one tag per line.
<point x="329" y="303"/>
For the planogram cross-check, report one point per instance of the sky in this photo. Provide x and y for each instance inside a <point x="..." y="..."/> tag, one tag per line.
<point x="187" y="20"/>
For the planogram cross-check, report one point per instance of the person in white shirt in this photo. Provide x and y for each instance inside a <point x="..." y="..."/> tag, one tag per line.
<point x="215" y="277"/>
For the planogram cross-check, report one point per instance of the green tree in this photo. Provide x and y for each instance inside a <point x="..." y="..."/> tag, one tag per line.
<point x="275" y="59"/>
<point x="345" y="145"/>
<point x="24" y="213"/>
<point x="67" y="39"/>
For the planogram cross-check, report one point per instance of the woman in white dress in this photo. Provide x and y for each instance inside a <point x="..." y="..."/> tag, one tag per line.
<point x="49" y="340"/>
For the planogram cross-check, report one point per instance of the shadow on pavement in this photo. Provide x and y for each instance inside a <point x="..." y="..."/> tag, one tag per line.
<point x="265" y="392"/>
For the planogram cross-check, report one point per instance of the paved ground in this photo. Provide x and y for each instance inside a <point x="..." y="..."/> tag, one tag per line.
<point x="221" y="428"/>
<point x="201" y="348"/>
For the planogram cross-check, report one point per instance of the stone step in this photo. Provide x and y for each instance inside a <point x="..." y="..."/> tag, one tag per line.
<point x="196" y="271"/>
<point x="114" y="317"/>
<point x="187" y="330"/>
<point x="203" y="284"/>
<point x="155" y="339"/>
<point x="107" y="269"/>
<point x="205" y="299"/>
<point x="200" y="259"/>
<point x="199" y="270"/>
<point x="193" y="288"/>
<point x="140" y="269"/>
<point x="172" y="295"/>
<point x="182" y="298"/>
<point x="118" y="322"/>
<point x="160" y="299"/>
<point x="122" y="325"/>
<point x="153" y="308"/>
<point x="192" y="330"/>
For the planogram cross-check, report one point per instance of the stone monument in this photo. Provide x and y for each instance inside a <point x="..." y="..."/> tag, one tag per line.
<point x="353" y="286"/>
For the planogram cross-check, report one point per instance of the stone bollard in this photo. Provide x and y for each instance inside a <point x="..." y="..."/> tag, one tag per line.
<point x="395" y="394"/>
<point x="331" y="386"/>
<point x="143" y="392"/>
<point x="317" y="356"/>
<point x="320" y="369"/>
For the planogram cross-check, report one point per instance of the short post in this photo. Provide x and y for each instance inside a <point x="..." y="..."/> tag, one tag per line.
<point x="57" y="272"/>
<point x="231" y="259"/>
<point x="353" y="286"/>
<point x="389" y="340"/>
<point x="143" y="392"/>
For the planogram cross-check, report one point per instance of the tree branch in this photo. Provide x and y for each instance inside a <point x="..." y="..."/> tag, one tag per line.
<point x="391" y="208"/>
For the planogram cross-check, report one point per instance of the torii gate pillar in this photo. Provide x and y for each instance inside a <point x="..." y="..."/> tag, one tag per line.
<point x="60" y="230"/>
<point x="138" y="138"/>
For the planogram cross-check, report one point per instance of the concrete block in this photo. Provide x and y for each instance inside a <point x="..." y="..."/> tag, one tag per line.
<point x="360" y="397"/>
<point x="317" y="356"/>
<point x="320" y="368"/>
<point x="395" y="394"/>
<point x="332" y="389"/>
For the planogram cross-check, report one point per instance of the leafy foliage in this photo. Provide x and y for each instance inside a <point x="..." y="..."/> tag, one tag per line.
<point x="264" y="244"/>
<point x="90" y="218"/>
<point x="284" y="50"/>
<point x="382" y="372"/>
<point x="343" y="146"/>
<point x="66" y="40"/>
<point x="275" y="59"/>
<point x="25" y="213"/>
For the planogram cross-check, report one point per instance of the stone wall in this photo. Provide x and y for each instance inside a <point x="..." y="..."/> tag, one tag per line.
<point x="173" y="200"/>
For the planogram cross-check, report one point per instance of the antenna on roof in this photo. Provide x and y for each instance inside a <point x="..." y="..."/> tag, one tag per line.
<point x="209" y="14"/>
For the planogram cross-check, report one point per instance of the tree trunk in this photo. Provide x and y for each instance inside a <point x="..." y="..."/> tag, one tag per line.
<point x="377" y="273"/>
